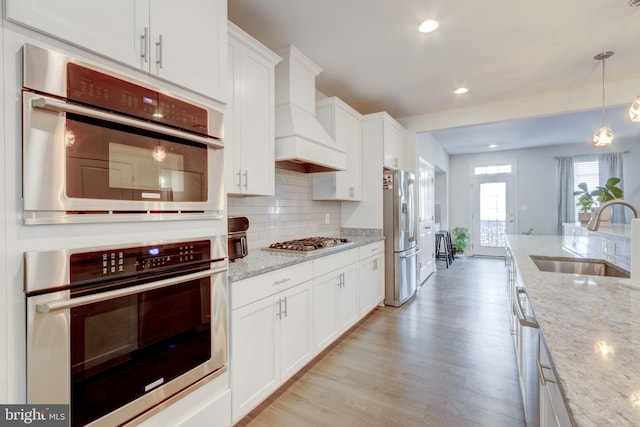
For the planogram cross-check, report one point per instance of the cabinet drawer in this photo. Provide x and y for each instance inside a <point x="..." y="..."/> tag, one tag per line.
<point x="371" y="249"/>
<point x="249" y="290"/>
<point x="335" y="261"/>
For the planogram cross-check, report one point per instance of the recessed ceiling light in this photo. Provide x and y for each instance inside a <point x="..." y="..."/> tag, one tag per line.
<point x="428" y="26"/>
<point x="461" y="90"/>
<point x="493" y="146"/>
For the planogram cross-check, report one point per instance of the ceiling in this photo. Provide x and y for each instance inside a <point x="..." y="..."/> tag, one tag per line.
<point x="373" y="57"/>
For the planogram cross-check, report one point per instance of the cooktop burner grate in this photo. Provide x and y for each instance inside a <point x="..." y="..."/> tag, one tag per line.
<point x="307" y="244"/>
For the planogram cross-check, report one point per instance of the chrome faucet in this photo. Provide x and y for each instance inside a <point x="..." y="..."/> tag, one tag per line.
<point x="594" y="224"/>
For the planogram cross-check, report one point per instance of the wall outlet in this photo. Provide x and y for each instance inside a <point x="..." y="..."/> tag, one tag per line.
<point x="327" y="218"/>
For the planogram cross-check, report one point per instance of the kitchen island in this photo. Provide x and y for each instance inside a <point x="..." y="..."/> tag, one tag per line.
<point x="591" y="325"/>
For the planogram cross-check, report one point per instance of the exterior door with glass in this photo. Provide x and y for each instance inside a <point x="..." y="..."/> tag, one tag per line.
<point x="493" y="213"/>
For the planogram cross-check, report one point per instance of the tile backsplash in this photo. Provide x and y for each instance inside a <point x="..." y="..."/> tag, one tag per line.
<point x="289" y="214"/>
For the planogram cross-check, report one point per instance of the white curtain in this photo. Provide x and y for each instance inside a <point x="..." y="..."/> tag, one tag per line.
<point x="611" y="166"/>
<point x="566" y="203"/>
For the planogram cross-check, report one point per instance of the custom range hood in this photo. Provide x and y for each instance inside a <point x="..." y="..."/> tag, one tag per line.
<point x="302" y="143"/>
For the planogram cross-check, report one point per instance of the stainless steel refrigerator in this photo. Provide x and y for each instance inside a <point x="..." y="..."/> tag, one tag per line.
<point x="400" y="231"/>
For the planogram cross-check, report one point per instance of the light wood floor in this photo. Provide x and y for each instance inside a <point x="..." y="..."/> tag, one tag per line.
<point x="443" y="359"/>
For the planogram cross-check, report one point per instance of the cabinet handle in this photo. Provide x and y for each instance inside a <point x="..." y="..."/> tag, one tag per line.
<point x="144" y="53"/>
<point x="543" y="379"/>
<point x="279" y="313"/>
<point x="351" y="191"/>
<point x="281" y="281"/>
<point x="159" y="51"/>
<point x="246" y="179"/>
<point x="522" y="317"/>
<point x="285" y="307"/>
<point x="239" y="179"/>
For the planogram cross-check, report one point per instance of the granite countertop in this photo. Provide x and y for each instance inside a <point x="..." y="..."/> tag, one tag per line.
<point x="577" y="315"/>
<point x="260" y="261"/>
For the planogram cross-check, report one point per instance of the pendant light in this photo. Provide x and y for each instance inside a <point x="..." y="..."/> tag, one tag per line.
<point x="604" y="135"/>
<point x="634" y="110"/>
<point x="159" y="153"/>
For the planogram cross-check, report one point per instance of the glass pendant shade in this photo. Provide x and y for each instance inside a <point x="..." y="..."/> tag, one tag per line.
<point x="159" y="153"/>
<point x="603" y="137"/>
<point x="634" y="110"/>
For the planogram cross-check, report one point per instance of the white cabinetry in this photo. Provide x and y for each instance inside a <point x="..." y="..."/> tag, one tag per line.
<point x="182" y="42"/>
<point x="271" y="338"/>
<point x="371" y="276"/>
<point x="344" y="125"/>
<point x="282" y="319"/>
<point x="335" y="296"/>
<point x="390" y="133"/>
<point x="553" y="412"/>
<point x="249" y="122"/>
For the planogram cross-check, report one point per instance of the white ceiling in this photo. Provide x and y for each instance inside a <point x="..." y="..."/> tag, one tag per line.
<point x="374" y="59"/>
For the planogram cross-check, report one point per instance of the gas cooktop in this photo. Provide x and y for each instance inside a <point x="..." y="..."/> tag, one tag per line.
<point x="309" y="245"/>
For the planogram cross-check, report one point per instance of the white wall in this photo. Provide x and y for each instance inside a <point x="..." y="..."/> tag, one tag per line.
<point x="536" y="182"/>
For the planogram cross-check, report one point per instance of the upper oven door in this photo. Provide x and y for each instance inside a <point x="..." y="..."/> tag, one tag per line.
<point x="81" y="160"/>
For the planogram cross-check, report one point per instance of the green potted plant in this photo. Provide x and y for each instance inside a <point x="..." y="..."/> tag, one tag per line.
<point x="605" y="193"/>
<point x="610" y="191"/>
<point x="586" y="203"/>
<point x="461" y="236"/>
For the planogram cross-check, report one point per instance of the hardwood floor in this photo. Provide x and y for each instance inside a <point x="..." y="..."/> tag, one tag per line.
<point x="443" y="359"/>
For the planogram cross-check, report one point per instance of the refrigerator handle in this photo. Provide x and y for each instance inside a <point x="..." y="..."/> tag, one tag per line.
<point x="411" y="212"/>
<point x="411" y="255"/>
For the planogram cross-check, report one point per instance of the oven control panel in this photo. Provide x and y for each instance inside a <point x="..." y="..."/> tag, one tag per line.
<point x="123" y="261"/>
<point x="94" y="88"/>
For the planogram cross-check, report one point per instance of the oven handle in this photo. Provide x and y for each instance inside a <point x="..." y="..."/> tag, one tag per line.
<point x="62" y="107"/>
<point x="65" y="304"/>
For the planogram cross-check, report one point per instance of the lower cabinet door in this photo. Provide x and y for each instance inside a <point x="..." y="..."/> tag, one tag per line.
<point x="255" y="354"/>
<point x="296" y="329"/>
<point x="371" y="283"/>
<point x="325" y="300"/>
<point x="349" y="312"/>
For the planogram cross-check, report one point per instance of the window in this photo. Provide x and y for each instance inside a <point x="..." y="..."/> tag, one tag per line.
<point x="491" y="170"/>
<point x="587" y="170"/>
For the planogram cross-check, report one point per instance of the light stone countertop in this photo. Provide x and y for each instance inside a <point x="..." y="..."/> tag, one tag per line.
<point x="575" y="314"/>
<point x="260" y="261"/>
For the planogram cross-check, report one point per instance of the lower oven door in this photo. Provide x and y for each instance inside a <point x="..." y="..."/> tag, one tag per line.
<point x="114" y="355"/>
<point x="82" y="164"/>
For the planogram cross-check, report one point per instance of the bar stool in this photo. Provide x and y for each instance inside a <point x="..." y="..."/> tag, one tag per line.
<point x="444" y="248"/>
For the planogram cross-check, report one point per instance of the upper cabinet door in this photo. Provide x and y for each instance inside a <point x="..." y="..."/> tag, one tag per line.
<point x="108" y="28"/>
<point x="182" y="42"/>
<point x="344" y="125"/>
<point x="249" y="138"/>
<point x="188" y="44"/>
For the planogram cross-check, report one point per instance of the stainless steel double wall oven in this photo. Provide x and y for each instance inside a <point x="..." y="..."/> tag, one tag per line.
<point x="99" y="147"/>
<point x="119" y="331"/>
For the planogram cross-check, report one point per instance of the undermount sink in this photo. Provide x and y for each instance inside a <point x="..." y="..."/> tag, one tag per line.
<point x="591" y="267"/>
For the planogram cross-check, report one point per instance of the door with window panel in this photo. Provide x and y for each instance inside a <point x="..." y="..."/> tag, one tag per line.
<point x="493" y="213"/>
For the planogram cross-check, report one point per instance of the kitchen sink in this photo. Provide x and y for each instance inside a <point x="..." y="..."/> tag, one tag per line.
<point x="591" y="267"/>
